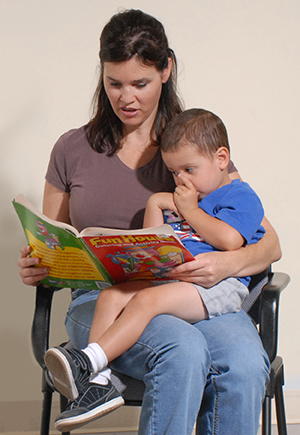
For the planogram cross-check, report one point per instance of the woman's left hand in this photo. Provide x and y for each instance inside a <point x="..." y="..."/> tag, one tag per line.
<point x="206" y="270"/>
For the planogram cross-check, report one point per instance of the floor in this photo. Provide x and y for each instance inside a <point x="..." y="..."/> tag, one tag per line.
<point x="293" y="429"/>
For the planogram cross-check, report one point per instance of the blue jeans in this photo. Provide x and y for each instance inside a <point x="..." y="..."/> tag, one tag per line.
<point x="218" y="364"/>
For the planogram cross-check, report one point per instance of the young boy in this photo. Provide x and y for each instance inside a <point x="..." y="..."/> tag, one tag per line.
<point x="222" y="215"/>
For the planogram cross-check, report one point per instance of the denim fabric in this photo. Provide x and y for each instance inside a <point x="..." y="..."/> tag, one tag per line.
<point x="222" y="356"/>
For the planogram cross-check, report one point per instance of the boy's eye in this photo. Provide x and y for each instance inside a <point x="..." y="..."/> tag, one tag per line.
<point x="188" y="170"/>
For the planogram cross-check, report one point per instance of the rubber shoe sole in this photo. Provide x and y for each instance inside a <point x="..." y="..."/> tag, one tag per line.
<point x="72" y="423"/>
<point x="61" y="372"/>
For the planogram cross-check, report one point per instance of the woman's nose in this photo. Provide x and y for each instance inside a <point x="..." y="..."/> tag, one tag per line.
<point x="127" y="95"/>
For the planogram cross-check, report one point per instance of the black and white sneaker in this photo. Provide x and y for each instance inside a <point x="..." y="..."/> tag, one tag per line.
<point x="70" y="370"/>
<point x="96" y="401"/>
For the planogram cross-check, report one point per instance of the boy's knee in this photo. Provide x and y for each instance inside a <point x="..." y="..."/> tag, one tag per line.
<point x="111" y="296"/>
<point x="143" y="299"/>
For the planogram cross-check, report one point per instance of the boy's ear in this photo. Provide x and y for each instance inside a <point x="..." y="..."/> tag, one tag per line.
<point x="223" y="157"/>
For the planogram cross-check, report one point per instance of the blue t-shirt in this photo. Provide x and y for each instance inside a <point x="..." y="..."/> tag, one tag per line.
<point x="236" y="204"/>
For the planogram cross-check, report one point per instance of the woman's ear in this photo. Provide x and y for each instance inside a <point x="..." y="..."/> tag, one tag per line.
<point x="167" y="71"/>
<point x="223" y="156"/>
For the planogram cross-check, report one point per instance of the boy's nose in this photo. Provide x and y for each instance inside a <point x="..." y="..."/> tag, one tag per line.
<point x="179" y="180"/>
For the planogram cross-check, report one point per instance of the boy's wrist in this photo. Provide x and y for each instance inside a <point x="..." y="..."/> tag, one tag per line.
<point x="155" y="201"/>
<point x="189" y="213"/>
<point x="162" y="200"/>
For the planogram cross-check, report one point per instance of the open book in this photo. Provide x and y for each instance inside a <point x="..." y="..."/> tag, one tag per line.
<point x="97" y="258"/>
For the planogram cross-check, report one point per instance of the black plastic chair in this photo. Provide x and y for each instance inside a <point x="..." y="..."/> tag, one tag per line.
<point x="262" y="305"/>
<point x="265" y="313"/>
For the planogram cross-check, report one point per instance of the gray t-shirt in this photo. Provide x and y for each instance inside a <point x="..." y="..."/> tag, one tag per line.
<point x="103" y="190"/>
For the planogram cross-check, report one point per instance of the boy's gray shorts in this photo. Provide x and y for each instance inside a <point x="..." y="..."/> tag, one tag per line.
<point x="225" y="297"/>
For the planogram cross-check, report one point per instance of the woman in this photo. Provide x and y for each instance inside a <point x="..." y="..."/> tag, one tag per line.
<point x="102" y="175"/>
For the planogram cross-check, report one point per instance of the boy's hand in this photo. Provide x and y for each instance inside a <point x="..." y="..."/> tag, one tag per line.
<point x="185" y="196"/>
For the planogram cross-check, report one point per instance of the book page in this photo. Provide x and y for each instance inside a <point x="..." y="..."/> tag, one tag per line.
<point x="65" y="262"/>
<point x="20" y="199"/>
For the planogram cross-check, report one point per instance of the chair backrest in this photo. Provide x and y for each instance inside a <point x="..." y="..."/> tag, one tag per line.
<point x="265" y="311"/>
<point x="252" y="303"/>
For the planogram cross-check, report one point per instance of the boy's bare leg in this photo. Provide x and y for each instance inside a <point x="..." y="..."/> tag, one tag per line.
<point x="110" y="304"/>
<point x="179" y="299"/>
<point x="115" y="329"/>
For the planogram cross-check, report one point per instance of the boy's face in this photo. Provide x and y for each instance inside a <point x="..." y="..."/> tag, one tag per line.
<point x="205" y="173"/>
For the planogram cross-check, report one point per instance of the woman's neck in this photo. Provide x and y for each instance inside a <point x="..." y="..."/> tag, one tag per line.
<point x="137" y="149"/>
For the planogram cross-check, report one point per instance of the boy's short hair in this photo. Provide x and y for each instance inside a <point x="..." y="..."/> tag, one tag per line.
<point x="196" y="126"/>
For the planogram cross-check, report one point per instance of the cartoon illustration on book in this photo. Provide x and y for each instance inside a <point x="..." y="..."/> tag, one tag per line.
<point x="147" y="260"/>
<point x="51" y="240"/>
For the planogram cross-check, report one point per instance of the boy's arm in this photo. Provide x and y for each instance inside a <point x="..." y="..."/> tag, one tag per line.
<point x="155" y="205"/>
<point x="214" y="231"/>
<point x="210" y="268"/>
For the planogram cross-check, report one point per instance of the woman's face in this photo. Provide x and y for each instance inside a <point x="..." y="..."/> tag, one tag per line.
<point x="134" y="90"/>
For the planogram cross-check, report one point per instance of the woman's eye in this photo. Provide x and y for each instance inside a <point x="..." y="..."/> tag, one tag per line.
<point x="114" y="84"/>
<point x="141" y="85"/>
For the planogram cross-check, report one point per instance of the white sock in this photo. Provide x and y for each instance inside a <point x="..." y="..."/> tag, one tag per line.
<point x="102" y="377"/>
<point x="97" y="357"/>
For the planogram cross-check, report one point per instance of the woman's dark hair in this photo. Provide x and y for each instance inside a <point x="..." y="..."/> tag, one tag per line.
<point x="128" y="34"/>
<point x="197" y="127"/>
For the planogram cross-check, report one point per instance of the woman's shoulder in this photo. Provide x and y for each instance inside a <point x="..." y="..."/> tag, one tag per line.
<point x="75" y="136"/>
<point x="73" y="145"/>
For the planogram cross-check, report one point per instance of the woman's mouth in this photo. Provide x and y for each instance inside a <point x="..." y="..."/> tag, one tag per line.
<point x="129" y="112"/>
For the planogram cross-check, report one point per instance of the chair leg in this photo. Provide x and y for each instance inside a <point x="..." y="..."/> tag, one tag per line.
<point x="280" y="411"/>
<point x="63" y="405"/>
<point x="47" y="403"/>
<point x="266" y="416"/>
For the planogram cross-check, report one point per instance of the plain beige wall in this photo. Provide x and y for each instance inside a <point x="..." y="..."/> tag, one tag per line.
<point x="237" y="58"/>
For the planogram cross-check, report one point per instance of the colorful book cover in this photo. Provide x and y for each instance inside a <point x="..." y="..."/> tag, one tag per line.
<point x="98" y="257"/>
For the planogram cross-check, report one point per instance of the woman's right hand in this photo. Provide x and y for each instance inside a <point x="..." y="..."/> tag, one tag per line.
<point x="29" y="274"/>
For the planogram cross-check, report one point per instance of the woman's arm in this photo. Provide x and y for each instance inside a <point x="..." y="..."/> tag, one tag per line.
<point x="210" y="268"/>
<point x="55" y="206"/>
